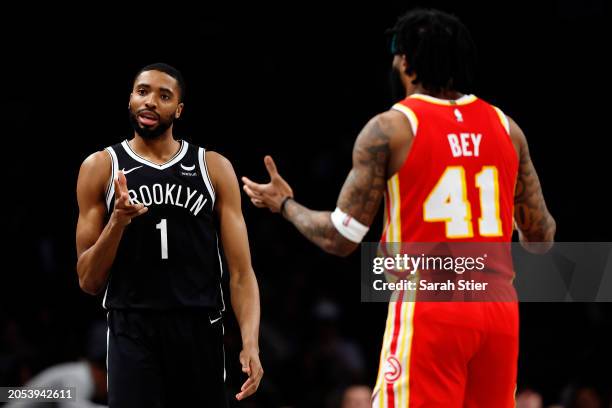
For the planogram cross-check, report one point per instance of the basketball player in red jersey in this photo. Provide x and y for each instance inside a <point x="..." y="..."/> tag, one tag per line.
<point x="452" y="168"/>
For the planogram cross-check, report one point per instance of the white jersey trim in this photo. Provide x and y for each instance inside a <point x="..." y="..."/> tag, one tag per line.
<point x="106" y="291"/>
<point x="107" y="335"/>
<point x="223" y="348"/>
<point x="464" y="100"/>
<point x="221" y="269"/>
<point x="177" y="157"/>
<point x="109" y="199"/>
<point x="107" y="342"/>
<point x="503" y="118"/>
<point x="205" y="175"/>
<point x="410" y="115"/>
<point x="110" y="193"/>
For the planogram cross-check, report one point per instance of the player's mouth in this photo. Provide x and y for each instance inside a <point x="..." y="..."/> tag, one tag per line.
<point x="148" y="118"/>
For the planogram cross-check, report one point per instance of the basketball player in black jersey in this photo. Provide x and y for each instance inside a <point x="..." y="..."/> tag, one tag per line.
<point x="146" y="235"/>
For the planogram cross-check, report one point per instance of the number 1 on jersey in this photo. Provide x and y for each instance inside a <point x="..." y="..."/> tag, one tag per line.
<point x="489" y="224"/>
<point x="163" y="226"/>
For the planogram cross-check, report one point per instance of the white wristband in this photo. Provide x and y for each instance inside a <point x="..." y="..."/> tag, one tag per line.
<point x="347" y="226"/>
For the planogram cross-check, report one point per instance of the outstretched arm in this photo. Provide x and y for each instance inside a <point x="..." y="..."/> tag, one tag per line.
<point x="243" y="284"/>
<point x="359" y="198"/>
<point x="535" y="225"/>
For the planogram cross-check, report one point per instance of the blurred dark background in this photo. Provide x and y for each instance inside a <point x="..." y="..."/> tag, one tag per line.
<point x="297" y="82"/>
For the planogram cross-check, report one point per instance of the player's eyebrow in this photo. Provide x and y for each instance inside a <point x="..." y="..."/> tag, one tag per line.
<point x="147" y="86"/>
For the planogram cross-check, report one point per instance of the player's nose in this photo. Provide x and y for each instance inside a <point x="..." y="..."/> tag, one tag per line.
<point x="150" y="102"/>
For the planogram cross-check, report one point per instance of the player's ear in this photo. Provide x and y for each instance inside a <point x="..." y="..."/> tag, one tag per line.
<point x="400" y="63"/>
<point x="179" y="110"/>
<point x="403" y="63"/>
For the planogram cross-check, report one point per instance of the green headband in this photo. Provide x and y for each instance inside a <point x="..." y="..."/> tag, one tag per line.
<point x="394" y="49"/>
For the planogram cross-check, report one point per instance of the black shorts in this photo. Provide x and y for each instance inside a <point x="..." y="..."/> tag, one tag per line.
<point x="165" y="359"/>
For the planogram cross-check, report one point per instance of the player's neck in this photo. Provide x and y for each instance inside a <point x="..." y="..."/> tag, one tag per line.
<point x="448" y="94"/>
<point x="157" y="150"/>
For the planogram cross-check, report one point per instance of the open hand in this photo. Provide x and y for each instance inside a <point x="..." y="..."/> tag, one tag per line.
<point x="272" y="194"/>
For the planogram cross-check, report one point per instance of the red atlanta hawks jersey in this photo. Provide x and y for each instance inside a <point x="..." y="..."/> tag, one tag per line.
<point x="457" y="182"/>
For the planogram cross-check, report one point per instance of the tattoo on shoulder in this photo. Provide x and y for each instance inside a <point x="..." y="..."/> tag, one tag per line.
<point x="365" y="185"/>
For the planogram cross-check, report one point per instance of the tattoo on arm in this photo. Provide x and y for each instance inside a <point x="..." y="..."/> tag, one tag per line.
<point x="365" y="185"/>
<point x="361" y="193"/>
<point x="530" y="212"/>
<point x="314" y="225"/>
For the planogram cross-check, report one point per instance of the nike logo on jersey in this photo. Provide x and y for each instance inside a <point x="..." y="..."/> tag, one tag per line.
<point x="215" y="320"/>
<point x="187" y="168"/>
<point x="130" y="170"/>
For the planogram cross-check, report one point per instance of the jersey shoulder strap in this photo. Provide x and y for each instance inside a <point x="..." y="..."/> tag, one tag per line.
<point x="114" y="152"/>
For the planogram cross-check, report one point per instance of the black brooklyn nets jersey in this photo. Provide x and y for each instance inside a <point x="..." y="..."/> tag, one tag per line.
<point x="169" y="256"/>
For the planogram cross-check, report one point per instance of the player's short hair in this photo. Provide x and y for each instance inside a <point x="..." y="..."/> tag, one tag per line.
<point x="167" y="69"/>
<point x="438" y="48"/>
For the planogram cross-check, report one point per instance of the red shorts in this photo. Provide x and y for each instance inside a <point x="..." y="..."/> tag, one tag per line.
<point x="448" y="355"/>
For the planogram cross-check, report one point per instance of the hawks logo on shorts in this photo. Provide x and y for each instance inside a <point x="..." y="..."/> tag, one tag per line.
<point x="393" y="369"/>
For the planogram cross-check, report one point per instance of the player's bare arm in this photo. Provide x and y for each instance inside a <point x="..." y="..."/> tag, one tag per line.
<point x="534" y="223"/>
<point x="361" y="194"/>
<point x="97" y="243"/>
<point x="243" y="284"/>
